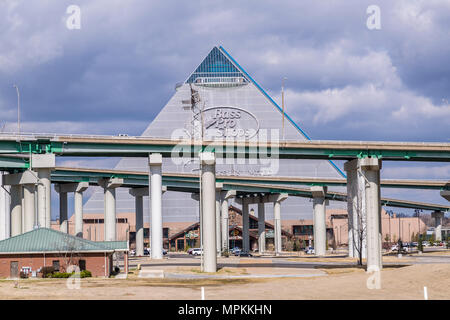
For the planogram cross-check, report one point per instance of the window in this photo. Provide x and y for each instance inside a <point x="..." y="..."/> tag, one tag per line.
<point x="82" y="265"/>
<point x="302" y="230"/>
<point x="180" y="244"/>
<point x="55" y="264"/>
<point x="253" y="224"/>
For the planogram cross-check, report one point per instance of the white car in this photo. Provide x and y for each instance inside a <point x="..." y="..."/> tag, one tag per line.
<point x="309" y="250"/>
<point x="196" y="251"/>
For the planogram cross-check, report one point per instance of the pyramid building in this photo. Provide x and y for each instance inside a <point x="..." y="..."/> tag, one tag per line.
<point x="231" y="105"/>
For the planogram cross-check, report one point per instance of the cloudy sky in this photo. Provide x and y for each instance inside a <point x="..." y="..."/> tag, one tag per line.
<point x="345" y="81"/>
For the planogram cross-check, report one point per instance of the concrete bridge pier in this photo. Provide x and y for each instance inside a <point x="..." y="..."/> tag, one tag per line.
<point x="356" y="208"/>
<point x="63" y="216"/>
<point x="155" y="183"/>
<point x="320" y="228"/>
<point x="371" y="171"/>
<point x="437" y="216"/>
<point x="22" y="186"/>
<point x="16" y="210"/>
<point x="77" y="188"/>
<point x="29" y="210"/>
<point x="277" y="199"/>
<point x="208" y="171"/>
<point x="245" y="225"/>
<point x="109" y="186"/>
<point x="78" y="207"/>
<point x="261" y="226"/>
<point x="5" y="215"/>
<point x="43" y="164"/>
<point x="218" y="219"/>
<point x="139" y="194"/>
<point x="225" y="218"/>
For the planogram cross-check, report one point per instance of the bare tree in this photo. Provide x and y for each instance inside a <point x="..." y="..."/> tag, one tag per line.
<point x="359" y="227"/>
<point x="69" y="252"/>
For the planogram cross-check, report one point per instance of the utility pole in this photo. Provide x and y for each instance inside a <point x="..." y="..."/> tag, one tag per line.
<point x="18" y="108"/>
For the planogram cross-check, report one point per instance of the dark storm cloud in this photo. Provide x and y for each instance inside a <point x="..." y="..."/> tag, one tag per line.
<point x="123" y="63"/>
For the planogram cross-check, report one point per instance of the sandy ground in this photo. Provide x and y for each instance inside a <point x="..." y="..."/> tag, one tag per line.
<point x="339" y="283"/>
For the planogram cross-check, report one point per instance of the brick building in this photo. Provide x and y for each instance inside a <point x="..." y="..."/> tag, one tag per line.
<point x="31" y="251"/>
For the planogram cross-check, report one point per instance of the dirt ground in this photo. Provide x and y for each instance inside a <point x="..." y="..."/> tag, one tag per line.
<point x="339" y="283"/>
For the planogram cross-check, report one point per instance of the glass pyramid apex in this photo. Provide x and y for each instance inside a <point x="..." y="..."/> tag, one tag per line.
<point x="217" y="67"/>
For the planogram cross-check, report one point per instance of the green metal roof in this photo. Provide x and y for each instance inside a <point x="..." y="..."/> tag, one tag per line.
<point x="114" y="245"/>
<point x="48" y="240"/>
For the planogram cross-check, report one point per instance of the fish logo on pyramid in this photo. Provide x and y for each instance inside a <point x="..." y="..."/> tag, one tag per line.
<point x="220" y="100"/>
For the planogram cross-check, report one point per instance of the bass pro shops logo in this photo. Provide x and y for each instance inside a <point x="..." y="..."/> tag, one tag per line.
<point x="230" y="122"/>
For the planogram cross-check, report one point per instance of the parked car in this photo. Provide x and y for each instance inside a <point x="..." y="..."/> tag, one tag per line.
<point x="132" y="253"/>
<point x="164" y="251"/>
<point x="235" y="249"/>
<point x="237" y="252"/>
<point x="190" y="250"/>
<point x="244" y="254"/>
<point x="197" y="251"/>
<point x="146" y="252"/>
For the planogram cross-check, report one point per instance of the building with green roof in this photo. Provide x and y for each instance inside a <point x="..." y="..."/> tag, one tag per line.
<point x="27" y="253"/>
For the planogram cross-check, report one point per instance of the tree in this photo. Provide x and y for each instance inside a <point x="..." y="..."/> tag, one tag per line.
<point x="359" y="231"/>
<point x="420" y="244"/>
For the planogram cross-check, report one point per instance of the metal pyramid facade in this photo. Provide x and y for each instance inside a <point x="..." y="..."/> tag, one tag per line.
<point x="233" y="106"/>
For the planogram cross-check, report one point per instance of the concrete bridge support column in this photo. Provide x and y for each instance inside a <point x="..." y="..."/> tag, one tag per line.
<point x="16" y="210"/>
<point x="352" y="201"/>
<point x="63" y="216"/>
<point x="225" y="218"/>
<point x="320" y="228"/>
<point x="4" y="210"/>
<point x="78" y="207"/>
<point x="261" y="227"/>
<point x="44" y="198"/>
<point x="277" y="199"/>
<point x="109" y="186"/>
<point x="371" y="170"/>
<point x="155" y="183"/>
<point x="139" y="203"/>
<point x="437" y="215"/>
<point x="22" y="186"/>
<point x="43" y="164"/>
<point x="139" y="194"/>
<point x="356" y="207"/>
<point x="218" y="220"/>
<point x="29" y="210"/>
<point x="77" y="189"/>
<point x="208" y="177"/>
<point x="245" y="226"/>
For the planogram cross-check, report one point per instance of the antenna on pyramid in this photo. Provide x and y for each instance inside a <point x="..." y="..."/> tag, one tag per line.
<point x="197" y="114"/>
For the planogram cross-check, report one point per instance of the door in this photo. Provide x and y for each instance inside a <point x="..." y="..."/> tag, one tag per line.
<point x="14" y="269"/>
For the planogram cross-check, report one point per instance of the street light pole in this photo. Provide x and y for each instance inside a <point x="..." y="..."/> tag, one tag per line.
<point x="18" y="108"/>
<point x="282" y="102"/>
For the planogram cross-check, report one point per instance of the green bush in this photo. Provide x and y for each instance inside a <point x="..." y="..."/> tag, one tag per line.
<point x="85" y="274"/>
<point x="420" y="244"/>
<point x="225" y="253"/>
<point x="61" y="275"/>
<point x="47" y="271"/>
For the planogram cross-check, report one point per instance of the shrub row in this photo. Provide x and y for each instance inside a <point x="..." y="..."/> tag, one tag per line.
<point x="83" y="274"/>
